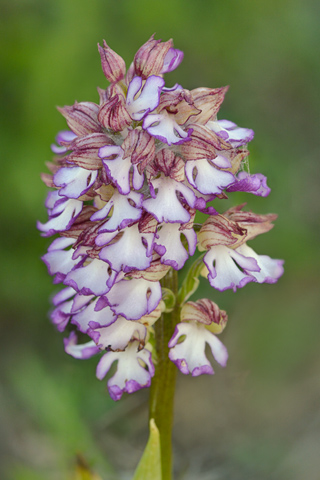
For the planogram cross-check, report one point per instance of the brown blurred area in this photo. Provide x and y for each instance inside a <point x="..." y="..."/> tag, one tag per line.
<point x="260" y="417"/>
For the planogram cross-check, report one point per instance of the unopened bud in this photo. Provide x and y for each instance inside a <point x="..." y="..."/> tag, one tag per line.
<point x="219" y="230"/>
<point x="140" y="146"/>
<point x="113" y="114"/>
<point x="203" y="144"/>
<point x="113" y="66"/>
<point x="149" y="59"/>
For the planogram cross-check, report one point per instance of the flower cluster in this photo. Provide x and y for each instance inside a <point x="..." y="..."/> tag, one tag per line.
<point x="127" y="180"/>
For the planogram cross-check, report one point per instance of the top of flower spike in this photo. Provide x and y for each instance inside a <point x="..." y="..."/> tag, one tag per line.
<point x="153" y="58"/>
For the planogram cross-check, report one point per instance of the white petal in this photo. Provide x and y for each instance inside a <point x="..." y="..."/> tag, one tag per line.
<point x="189" y="355"/>
<point x="117" y="335"/>
<point x="270" y="269"/>
<point x="134" y="298"/>
<point x="206" y="178"/>
<point x="94" y="278"/>
<point x="89" y="318"/>
<point x="82" y="351"/>
<point x="147" y="100"/>
<point x="128" y="252"/>
<point x="164" y="127"/>
<point x="225" y="274"/>
<point x="75" y="181"/>
<point x="166" y="207"/>
<point x="130" y="375"/>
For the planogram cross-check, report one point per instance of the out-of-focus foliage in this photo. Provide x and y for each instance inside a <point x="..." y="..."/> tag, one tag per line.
<point x="52" y="406"/>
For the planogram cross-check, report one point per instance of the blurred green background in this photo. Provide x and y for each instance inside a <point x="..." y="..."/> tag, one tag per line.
<point x="260" y="417"/>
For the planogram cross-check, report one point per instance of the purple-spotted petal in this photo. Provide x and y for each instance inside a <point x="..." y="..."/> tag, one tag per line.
<point x="118" y="169"/>
<point x="170" y="247"/>
<point x="59" y="261"/>
<point x="189" y="355"/>
<point x="61" y="217"/>
<point x="134" y="370"/>
<point x="134" y="255"/>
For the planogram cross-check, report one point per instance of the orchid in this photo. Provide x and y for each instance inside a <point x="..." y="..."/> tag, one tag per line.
<point x="127" y="180"/>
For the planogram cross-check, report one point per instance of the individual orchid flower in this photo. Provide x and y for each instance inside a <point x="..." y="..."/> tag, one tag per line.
<point x="59" y="260"/>
<point x="164" y="205"/>
<point x="230" y="262"/>
<point x="164" y="127"/>
<point x="199" y="321"/>
<point x="206" y="176"/>
<point x="134" y="370"/>
<point x="93" y="277"/>
<point x="132" y="298"/>
<point x="170" y="247"/>
<point x="118" y="335"/>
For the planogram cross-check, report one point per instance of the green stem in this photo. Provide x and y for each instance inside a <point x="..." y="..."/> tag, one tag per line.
<point x="163" y="382"/>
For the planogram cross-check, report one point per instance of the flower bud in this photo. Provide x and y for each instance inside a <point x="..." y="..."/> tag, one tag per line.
<point x="140" y="146"/>
<point x="113" y="66"/>
<point x="207" y="312"/>
<point x="208" y="100"/>
<point x="218" y="230"/>
<point x="253" y="223"/>
<point x="149" y="59"/>
<point x="113" y="114"/>
<point x="203" y="144"/>
<point x="82" y="117"/>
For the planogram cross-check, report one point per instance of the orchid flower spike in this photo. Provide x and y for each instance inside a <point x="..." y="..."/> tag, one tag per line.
<point x="127" y="180"/>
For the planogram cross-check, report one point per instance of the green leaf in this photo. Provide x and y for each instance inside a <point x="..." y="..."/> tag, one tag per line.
<point x="150" y="464"/>
<point x="191" y="281"/>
